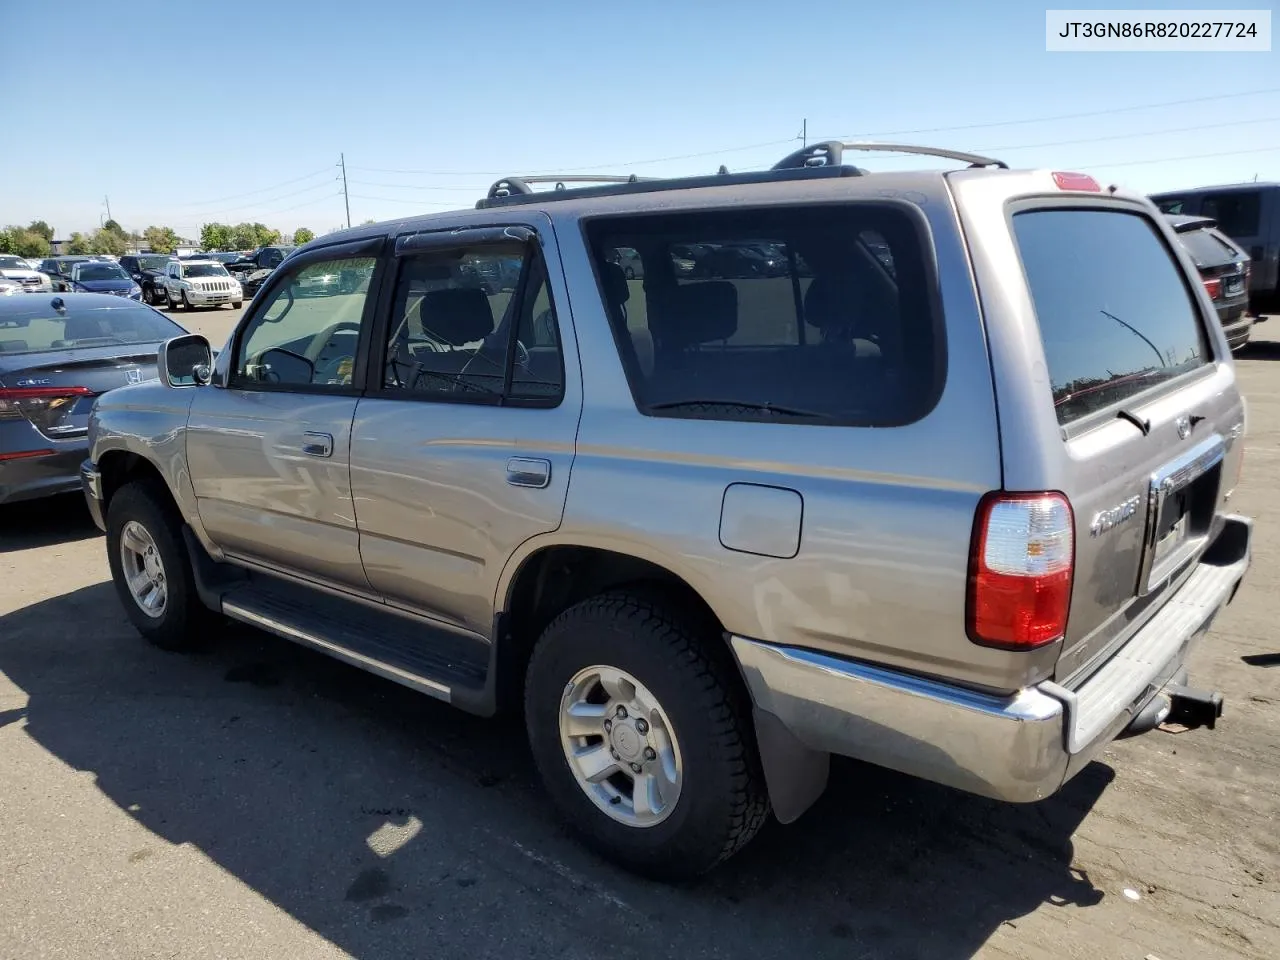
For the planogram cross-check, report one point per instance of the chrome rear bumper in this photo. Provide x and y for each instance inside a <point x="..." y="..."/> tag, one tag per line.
<point x="1020" y="747"/>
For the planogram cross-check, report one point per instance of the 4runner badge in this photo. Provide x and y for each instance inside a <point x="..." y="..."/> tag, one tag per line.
<point x="1105" y="520"/>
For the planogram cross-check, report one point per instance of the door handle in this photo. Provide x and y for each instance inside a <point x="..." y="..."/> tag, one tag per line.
<point x="528" y="472"/>
<point x="317" y="444"/>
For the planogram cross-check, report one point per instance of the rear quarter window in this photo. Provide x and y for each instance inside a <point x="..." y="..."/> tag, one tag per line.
<point x="1115" y="313"/>
<point x="822" y="314"/>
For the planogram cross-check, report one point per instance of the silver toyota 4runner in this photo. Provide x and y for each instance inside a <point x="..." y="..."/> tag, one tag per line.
<point x="717" y="477"/>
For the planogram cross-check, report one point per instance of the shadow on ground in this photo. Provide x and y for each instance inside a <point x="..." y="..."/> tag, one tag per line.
<point x="1261" y="349"/>
<point x="43" y="523"/>
<point x="396" y="827"/>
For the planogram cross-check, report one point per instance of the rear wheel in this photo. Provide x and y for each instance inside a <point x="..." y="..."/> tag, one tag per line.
<point x="151" y="569"/>
<point x="642" y="736"/>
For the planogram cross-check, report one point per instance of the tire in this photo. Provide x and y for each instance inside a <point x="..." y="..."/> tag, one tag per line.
<point x="236" y="305"/>
<point x="720" y="800"/>
<point x="170" y="303"/>
<point x="182" y="621"/>
<point x="186" y="304"/>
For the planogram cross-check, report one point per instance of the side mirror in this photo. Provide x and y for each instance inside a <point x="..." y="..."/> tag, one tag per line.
<point x="185" y="361"/>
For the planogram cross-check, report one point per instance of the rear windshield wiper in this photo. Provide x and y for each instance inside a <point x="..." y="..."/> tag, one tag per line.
<point x="745" y="404"/>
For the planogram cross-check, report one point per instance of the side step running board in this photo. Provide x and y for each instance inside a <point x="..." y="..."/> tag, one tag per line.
<point x="289" y="631"/>
<point x="413" y="652"/>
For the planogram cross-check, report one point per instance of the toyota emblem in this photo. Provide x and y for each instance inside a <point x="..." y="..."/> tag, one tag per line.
<point x="1184" y="427"/>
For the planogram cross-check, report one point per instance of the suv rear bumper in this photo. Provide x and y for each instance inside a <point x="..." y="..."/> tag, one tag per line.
<point x="1020" y="747"/>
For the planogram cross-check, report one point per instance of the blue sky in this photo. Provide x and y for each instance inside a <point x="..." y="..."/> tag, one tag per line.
<point x="243" y="111"/>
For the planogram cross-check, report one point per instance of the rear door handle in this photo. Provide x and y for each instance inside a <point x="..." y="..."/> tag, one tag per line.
<point x="528" y="472"/>
<point x="317" y="444"/>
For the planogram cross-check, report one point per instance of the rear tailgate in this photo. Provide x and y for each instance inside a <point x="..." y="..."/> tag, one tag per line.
<point x="1130" y="409"/>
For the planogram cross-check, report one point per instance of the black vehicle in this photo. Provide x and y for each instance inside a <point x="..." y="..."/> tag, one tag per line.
<point x="252" y="271"/>
<point x="1224" y="270"/>
<point x="57" y="354"/>
<point x="58" y="270"/>
<point x="147" y="270"/>
<point x="1248" y="213"/>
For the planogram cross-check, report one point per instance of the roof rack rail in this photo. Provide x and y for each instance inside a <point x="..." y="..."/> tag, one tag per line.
<point x="513" y="190"/>
<point x="521" y="185"/>
<point x="831" y="152"/>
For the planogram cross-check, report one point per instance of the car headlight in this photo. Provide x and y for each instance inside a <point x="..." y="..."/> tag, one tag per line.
<point x="135" y="290"/>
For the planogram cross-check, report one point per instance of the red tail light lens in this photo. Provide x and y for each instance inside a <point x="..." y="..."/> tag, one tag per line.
<point x="1020" y="570"/>
<point x="1213" y="288"/>
<point x="1076" y="181"/>
<point x="46" y="407"/>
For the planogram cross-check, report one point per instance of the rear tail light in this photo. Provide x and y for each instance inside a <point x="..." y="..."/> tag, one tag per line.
<point x="1213" y="288"/>
<point x="46" y="407"/>
<point x="1020" y="570"/>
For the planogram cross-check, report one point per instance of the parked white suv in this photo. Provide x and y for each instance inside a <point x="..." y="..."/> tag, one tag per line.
<point x="201" y="283"/>
<point x="20" y="272"/>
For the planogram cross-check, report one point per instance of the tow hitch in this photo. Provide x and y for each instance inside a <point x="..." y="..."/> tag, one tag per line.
<point x="1193" y="708"/>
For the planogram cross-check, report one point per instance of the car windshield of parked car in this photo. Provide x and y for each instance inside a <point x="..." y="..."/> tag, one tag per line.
<point x="204" y="270"/>
<point x="30" y="324"/>
<point x="12" y="263"/>
<point x="152" y="263"/>
<point x="99" y="271"/>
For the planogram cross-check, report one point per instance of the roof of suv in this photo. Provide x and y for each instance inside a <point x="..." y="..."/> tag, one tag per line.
<point x="813" y="173"/>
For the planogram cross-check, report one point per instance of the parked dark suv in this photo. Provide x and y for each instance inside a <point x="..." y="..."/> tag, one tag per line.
<point x="1224" y="270"/>
<point x="1249" y="213"/>
<point x="147" y="271"/>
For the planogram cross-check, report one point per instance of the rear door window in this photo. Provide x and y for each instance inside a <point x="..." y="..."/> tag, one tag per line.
<point x="1238" y="213"/>
<point x="1115" y="313"/>
<point x="817" y="314"/>
<point x="1206" y="249"/>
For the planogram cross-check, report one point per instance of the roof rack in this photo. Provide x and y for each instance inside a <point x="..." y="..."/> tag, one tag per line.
<point x="831" y="152"/>
<point x="521" y="185"/>
<point x="819" y="161"/>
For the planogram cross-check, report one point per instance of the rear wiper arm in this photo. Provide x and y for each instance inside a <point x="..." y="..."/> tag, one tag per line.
<point x="766" y="407"/>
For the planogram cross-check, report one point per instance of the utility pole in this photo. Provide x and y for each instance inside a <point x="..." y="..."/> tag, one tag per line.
<point x="342" y="161"/>
<point x="107" y="201"/>
<point x="804" y="132"/>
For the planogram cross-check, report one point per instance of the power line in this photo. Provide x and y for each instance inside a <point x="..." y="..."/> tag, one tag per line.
<point x="249" y="193"/>
<point x="1193" y="156"/>
<point x="268" y="200"/>
<point x="410" y="186"/>
<point x="1070" y="116"/>
<point x="1126" y="136"/>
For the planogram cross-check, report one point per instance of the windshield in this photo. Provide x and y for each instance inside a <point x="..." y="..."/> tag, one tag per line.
<point x="12" y="263"/>
<point x="99" y="271"/>
<point x="204" y="270"/>
<point x="152" y="263"/>
<point x="30" y="325"/>
<point x="1208" y="249"/>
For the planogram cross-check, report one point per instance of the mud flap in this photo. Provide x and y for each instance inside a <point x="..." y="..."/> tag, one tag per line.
<point x="795" y="775"/>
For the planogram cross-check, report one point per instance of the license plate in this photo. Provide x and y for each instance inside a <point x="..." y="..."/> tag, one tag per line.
<point x="1235" y="287"/>
<point x="1176" y="534"/>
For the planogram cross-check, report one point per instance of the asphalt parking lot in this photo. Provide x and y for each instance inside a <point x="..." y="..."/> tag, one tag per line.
<point x="259" y="800"/>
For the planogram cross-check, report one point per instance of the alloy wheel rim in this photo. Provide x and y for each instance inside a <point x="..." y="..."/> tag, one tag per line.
<point x="620" y="746"/>
<point x="144" y="572"/>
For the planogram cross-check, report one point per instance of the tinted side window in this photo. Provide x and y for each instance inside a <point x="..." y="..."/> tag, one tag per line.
<point x="474" y="324"/>
<point x="1173" y="205"/>
<point x="1113" y="307"/>
<point x="815" y="314"/>
<point x="1238" y="213"/>
<point x="308" y="331"/>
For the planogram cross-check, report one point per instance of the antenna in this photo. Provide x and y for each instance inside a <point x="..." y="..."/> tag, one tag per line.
<point x="342" y="162"/>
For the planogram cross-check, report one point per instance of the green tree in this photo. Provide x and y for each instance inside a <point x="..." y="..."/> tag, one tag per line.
<point x="216" y="236"/>
<point x="78" y="244"/>
<point x="114" y="227"/>
<point x="24" y="242"/>
<point x="368" y="222"/>
<point x="161" y="239"/>
<point x="108" y="241"/>
<point x="42" y="228"/>
<point x="302" y="235"/>
<point x="244" y="236"/>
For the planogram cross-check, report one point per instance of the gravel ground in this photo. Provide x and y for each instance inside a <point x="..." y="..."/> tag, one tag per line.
<point x="259" y="800"/>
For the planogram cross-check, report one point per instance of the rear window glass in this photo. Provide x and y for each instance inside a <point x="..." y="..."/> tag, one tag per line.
<point x="812" y="314"/>
<point x="1237" y="213"/>
<point x="37" y="327"/>
<point x="1208" y="250"/>
<point x="1113" y="307"/>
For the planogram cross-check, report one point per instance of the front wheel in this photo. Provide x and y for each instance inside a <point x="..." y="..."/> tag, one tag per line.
<point x="642" y="735"/>
<point x="151" y="569"/>
<point x="236" y="305"/>
<point x="186" y="304"/>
